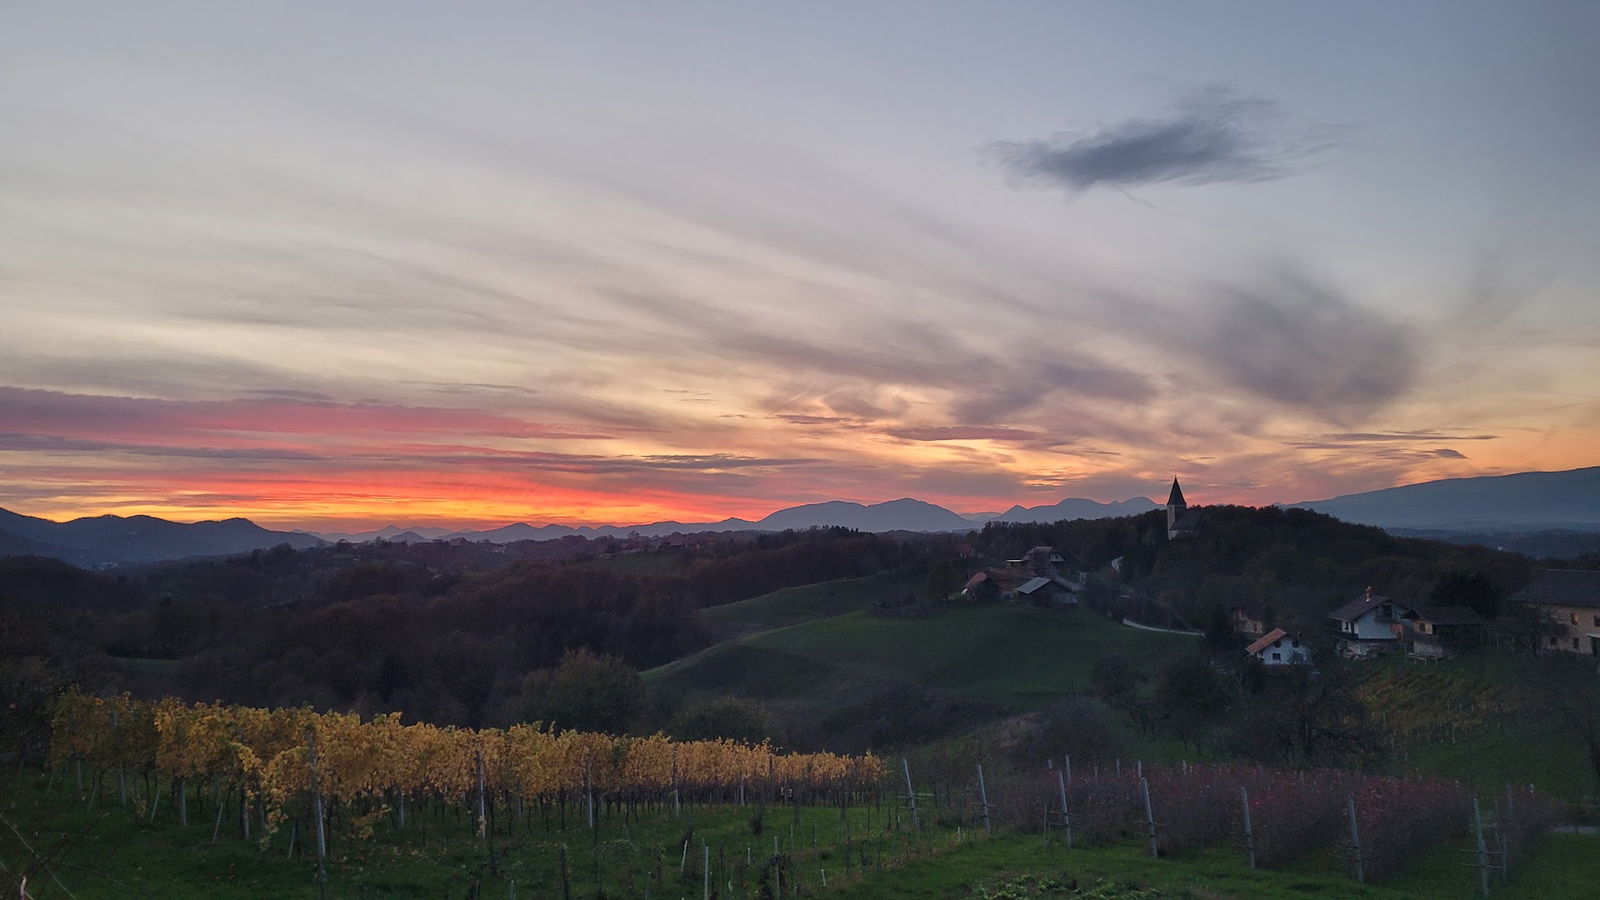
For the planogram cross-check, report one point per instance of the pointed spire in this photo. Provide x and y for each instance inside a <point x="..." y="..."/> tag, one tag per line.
<point x="1176" y="497"/>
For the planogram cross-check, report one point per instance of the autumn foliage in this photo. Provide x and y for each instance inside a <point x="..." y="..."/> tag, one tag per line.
<point x="267" y="755"/>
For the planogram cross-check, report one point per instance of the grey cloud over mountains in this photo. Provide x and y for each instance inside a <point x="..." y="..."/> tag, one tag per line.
<point x="1211" y="137"/>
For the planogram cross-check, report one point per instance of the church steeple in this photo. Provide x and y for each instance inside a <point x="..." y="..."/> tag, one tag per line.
<point x="1176" y="508"/>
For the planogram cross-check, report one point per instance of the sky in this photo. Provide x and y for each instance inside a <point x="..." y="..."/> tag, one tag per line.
<point x="345" y="264"/>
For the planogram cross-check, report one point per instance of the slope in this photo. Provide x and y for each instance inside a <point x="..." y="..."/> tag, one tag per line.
<point x="863" y="679"/>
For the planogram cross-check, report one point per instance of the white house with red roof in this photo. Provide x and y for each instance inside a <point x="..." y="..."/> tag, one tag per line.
<point x="1279" y="648"/>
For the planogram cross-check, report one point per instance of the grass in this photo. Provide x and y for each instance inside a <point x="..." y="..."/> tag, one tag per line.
<point x="114" y="852"/>
<point x="861" y="680"/>
<point x="796" y="605"/>
<point x="1010" y="656"/>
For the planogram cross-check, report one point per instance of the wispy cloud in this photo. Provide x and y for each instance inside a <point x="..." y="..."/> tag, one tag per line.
<point x="962" y="433"/>
<point x="59" y="414"/>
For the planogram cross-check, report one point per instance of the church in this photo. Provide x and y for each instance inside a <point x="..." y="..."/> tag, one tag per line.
<point x="1182" y="521"/>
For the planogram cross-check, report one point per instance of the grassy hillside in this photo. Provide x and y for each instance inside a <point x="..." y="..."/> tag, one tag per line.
<point x="869" y="680"/>
<point x="792" y="606"/>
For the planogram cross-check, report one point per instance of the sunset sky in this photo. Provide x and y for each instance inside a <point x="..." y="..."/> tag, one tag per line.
<point x="346" y="264"/>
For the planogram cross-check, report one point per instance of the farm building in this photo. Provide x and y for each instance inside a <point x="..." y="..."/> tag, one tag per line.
<point x="1436" y="632"/>
<point x="1047" y="590"/>
<point x="1571" y="598"/>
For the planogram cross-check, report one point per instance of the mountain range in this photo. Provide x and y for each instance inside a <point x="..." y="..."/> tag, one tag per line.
<point x="101" y="540"/>
<point x="1507" y="503"/>
<point x="1524" y="501"/>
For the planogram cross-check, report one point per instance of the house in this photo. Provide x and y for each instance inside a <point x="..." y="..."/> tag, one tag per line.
<point x="1370" y="624"/>
<point x="1006" y="580"/>
<point x="1042" y="589"/>
<point x="1278" y="648"/>
<point x="1571" y="598"/>
<point x="1436" y="632"/>
<point x="1182" y="522"/>
<point x="981" y="587"/>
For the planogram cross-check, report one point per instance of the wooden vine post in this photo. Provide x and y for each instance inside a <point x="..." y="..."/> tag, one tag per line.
<point x="1066" y="817"/>
<point x="1480" y="849"/>
<point x="1149" y="815"/>
<point x="983" y="798"/>
<point x="1355" y="840"/>
<point x="482" y="803"/>
<point x="316" y="810"/>
<point x="911" y="795"/>
<point x="1249" y="833"/>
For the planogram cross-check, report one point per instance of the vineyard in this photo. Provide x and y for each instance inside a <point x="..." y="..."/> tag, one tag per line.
<point x="269" y="759"/>
<point x="1416" y="705"/>
<point x="560" y="814"/>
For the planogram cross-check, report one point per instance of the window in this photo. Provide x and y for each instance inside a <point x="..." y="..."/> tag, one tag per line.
<point x="1574" y="618"/>
<point x="1574" y="643"/>
<point x="1597" y="621"/>
<point x="1297" y="643"/>
<point x="1278" y="657"/>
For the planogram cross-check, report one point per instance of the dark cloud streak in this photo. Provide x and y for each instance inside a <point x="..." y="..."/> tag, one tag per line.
<point x="1212" y="137"/>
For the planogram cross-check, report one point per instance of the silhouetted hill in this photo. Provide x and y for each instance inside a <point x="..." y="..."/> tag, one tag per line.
<point x="99" y="540"/>
<point x="904" y="514"/>
<point x="1076" y="508"/>
<point x="387" y="533"/>
<point x="1528" y="500"/>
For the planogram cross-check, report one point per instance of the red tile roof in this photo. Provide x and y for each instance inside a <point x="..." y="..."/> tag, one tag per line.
<point x="1266" y="640"/>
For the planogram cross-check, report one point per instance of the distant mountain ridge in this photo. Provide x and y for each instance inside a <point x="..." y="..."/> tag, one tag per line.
<point x="1504" y="503"/>
<point x="1076" y="508"/>
<point x="1524" y="501"/>
<point x="99" y="540"/>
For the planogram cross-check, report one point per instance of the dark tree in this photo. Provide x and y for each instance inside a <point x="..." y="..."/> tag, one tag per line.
<point x="1189" y="695"/>
<point x="734" y="718"/>
<point x="1459" y="588"/>
<point x="585" y="693"/>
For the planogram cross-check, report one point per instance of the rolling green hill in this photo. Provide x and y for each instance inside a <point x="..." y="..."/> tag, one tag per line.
<point x="864" y="679"/>
<point x="792" y="606"/>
